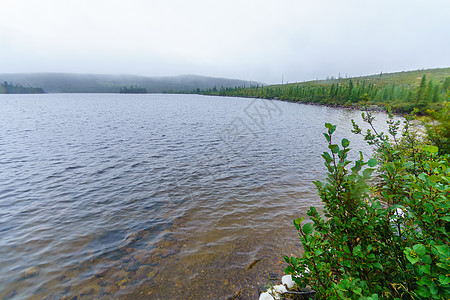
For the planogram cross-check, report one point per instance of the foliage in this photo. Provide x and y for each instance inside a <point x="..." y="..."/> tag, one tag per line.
<point x="438" y="129"/>
<point x="388" y="241"/>
<point x="401" y="91"/>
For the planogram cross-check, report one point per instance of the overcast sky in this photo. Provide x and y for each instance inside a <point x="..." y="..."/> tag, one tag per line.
<point x="251" y="40"/>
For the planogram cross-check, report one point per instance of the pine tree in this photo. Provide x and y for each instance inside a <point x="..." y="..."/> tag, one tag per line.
<point x="421" y="90"/>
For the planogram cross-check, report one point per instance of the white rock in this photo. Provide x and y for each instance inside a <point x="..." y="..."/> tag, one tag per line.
<point x="280" y="289"/>
<point x="265" y="296"/>
<point x="287" y="280"/>
<point x="399" y="212"/>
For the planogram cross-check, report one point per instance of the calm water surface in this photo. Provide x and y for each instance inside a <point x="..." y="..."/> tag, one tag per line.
<point x="154" y="196"/>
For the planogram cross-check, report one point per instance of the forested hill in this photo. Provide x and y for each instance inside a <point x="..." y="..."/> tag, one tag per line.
<point x="403" y="91"/>
<point x="93" y="83"/>
<point x="8" y="88"/>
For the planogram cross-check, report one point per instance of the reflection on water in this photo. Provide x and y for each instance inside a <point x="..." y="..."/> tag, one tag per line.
<point x="154" y="196"/>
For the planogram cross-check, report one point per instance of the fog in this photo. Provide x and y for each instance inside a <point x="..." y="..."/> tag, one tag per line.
<point x="252" y="40"/>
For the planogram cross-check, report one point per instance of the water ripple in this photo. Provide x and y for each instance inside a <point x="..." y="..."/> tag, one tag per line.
<point x="129" y="195"/>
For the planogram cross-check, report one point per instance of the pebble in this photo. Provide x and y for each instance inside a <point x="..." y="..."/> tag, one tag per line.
<point x="152" y="274"/>
<point x="280" y="289"/>
<point x="30" y="272"/>
<point x="123" y="281"/>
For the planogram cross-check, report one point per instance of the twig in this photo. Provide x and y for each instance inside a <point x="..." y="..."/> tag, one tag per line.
<point x="299" y="293"/>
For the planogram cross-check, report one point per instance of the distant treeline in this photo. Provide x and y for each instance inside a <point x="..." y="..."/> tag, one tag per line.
<point x="9" y="88"/>
<point x="133" y="89"/>
<point x="347" y="92"/>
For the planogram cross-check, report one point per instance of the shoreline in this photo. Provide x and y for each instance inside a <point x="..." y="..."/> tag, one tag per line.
<point x="375" y="108"/>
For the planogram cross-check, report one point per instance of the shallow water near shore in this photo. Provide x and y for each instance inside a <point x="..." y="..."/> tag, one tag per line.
<point x="155" y="196"/>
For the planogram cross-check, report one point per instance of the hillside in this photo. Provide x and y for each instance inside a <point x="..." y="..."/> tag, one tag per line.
<point x="93" y="83"/>
<point x="407" y="78"/>
<point x="402" y="91"/>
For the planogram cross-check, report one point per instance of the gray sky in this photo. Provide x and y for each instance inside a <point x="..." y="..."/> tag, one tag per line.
<point x="251" y="40"/>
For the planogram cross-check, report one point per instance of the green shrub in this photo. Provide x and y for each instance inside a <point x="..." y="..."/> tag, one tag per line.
<point x="390" y="241"/>
<point x="438" y="128"/>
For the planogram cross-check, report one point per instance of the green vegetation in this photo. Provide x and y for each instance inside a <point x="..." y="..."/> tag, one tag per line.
<point x="438" y="128"/>
<point x="133" y="89"/>
<point x="388" y="240"/>
<point x="9" y="88"/>
<point x="404" y="91"/>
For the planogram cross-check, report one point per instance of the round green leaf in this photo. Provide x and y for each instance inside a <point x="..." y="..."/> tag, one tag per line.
<point x="372" y="162"/>
<point x="307" y="228"/>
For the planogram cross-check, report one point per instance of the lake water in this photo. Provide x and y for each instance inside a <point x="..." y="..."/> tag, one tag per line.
<point x="154" y="196"/>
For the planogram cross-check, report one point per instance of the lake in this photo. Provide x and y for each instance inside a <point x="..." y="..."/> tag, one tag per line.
<point x="155" y="196"/>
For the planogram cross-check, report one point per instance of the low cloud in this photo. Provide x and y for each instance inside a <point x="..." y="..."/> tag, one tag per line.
<point x="251" y="40"/>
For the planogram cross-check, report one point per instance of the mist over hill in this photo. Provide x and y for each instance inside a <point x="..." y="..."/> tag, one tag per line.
<point x="95" y="83"/>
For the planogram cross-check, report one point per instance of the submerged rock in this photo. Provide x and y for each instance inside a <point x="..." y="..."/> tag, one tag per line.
<point x="31" y="272"/>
